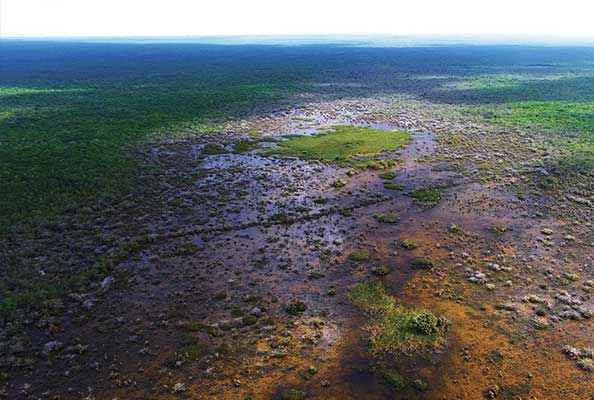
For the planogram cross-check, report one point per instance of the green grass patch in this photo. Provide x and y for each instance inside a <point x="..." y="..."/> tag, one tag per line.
<point x="212" y="149"/>
<point x="427" y="197"/>
<point x="393" y="185"/>
<point x="376" y="164"/>
<point x="371" y="296"/>
<point x="387" y="219"/>
<point x="343" y="144"/>
<point x="393" y="327"/>
<point x="245" y="146"/>
<point x="388" y="175"/>
<point x="359" y="256"/>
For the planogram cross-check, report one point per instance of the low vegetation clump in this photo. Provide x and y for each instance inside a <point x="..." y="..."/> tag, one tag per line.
<point x="282" y="218"/>
<point x="296" y="308"/>
<point x="249" y="320"/>
<point x="339" y="183"/>
<point x="498" y="229"/>
<point x="245" y="146"/>
<point x="359" y="256"/>
<point x="310" y="372"/>
<point x="393" y="185"/>
<point x="371" y="296"/>
<point x="422" y="263"/>
<point x="346" y="212"/>
<point x="293" y="394"/>
<point x="185" y="249"/>
<point x="192" y="348"/>
<point x="380" y="270"/>
<point x="394" y="379"/>
<point x="343" y="144"/>
<point x="387" y="219"/>
<point x="427" y="197"/>
<point x="377" y="164"/>
<point x="388" y="175"/>
<point x="409" y="244"/>
<point x="399" y="382"/>
<point x="420" y="385"/>
<point x="393" y="327"/>
<point x="212" y="149"/>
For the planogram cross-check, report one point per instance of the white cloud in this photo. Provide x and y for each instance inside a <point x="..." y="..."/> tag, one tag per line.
<point x="234" y="17"/>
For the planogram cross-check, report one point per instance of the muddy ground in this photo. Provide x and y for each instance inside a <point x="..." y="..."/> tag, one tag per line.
<point x="210" y="251"/>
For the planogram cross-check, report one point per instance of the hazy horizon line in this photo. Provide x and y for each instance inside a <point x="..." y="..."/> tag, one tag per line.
<point x="345" y="38"/>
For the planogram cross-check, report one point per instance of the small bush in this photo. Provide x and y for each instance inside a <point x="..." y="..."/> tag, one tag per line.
<point x="426" y="322"/>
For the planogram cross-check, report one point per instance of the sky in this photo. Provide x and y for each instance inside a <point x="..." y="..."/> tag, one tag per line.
<point x="67" y="18"/>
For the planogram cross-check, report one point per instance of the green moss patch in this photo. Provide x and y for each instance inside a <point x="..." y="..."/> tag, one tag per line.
<point x="343" y="144"/>
<point x="393" y="327"/>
